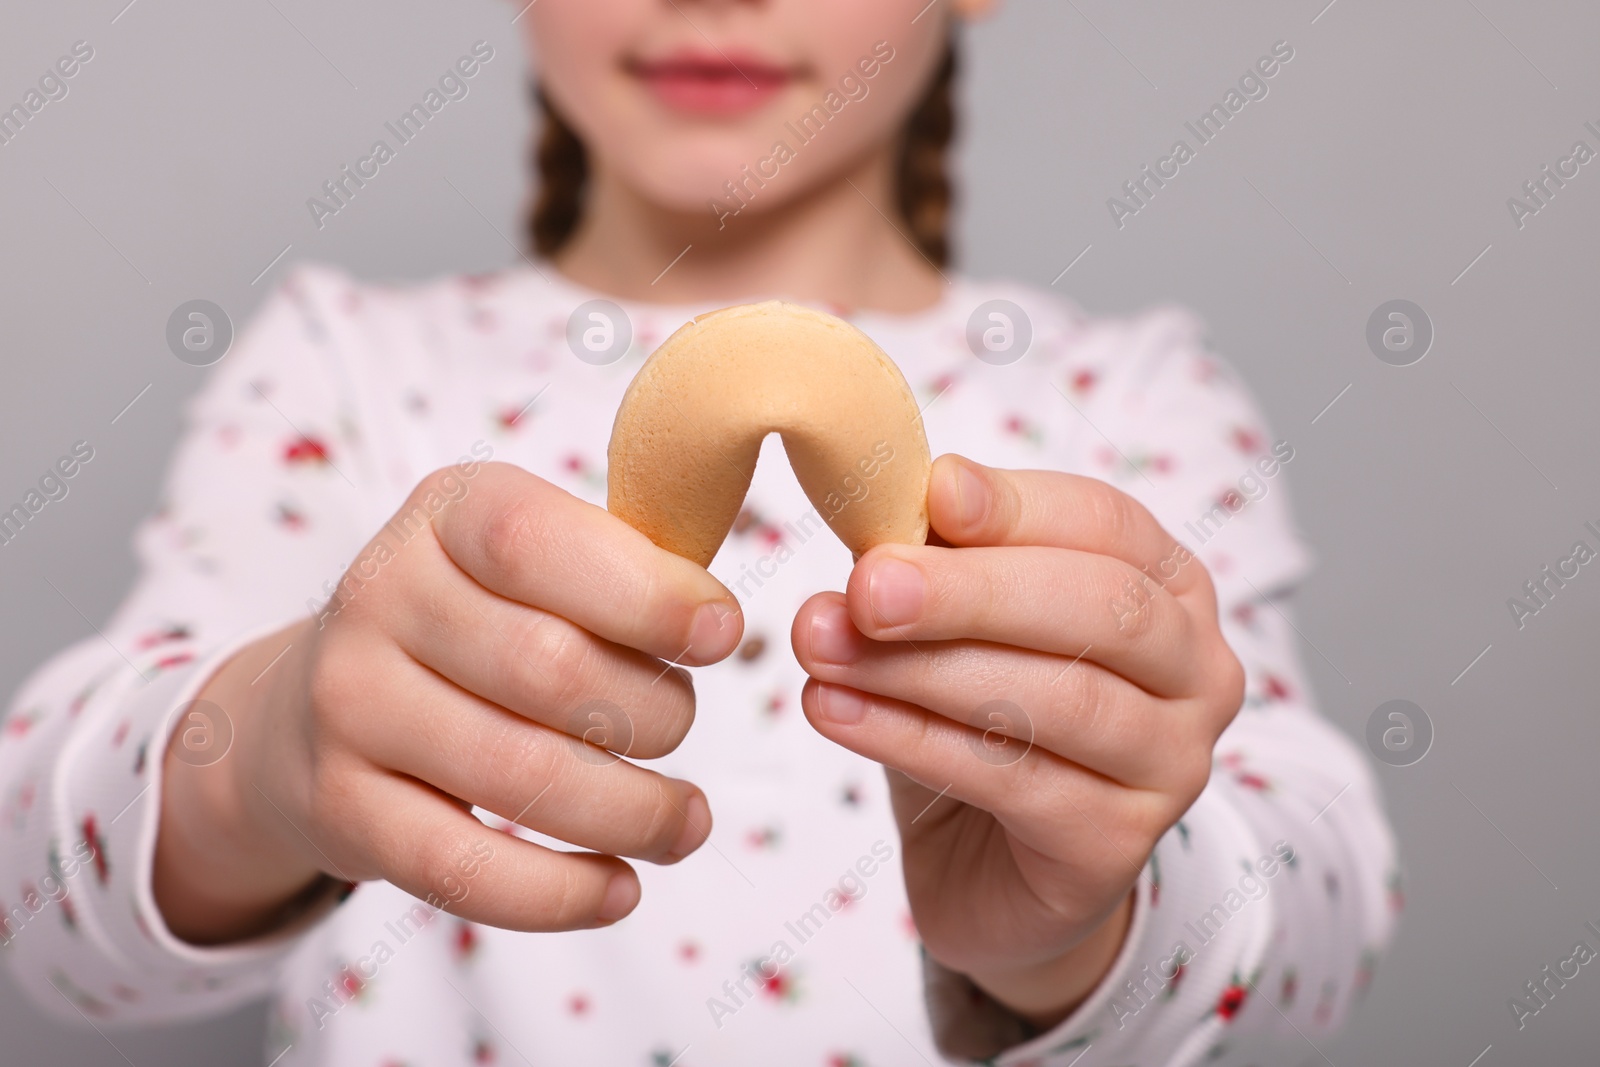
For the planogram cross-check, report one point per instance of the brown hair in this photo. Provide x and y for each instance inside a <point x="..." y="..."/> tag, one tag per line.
<point x="923" y="190"/>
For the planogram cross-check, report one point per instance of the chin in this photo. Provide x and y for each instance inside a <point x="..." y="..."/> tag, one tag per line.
<point x="686" y="177"/>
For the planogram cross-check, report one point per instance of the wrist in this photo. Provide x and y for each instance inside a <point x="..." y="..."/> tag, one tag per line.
<point x="1046" y="992"/>
<point x="222" y="872"/>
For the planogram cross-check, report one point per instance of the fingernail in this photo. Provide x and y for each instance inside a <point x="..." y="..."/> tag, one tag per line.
<point x="895" y="591"/>
<point x="622" y="894"/>
<point x="839" y="705"/>
<point x="696" y="828"/>
<point x="833" y="638"/>
<point x="972" y="495"/>
<point x="712" y="633"/>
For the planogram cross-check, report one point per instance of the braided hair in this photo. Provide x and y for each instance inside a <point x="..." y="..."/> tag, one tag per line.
<point x="923" y="190"/>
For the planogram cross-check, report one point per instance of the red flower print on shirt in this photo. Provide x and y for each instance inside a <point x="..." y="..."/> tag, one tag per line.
<point x="939" y="386"/>
<point x="1018" y="426"/>
<point x="585" y="471"/>
<point x="90" y="829"/>
<point x="1324" y="1011"/>
<point x="23" y="721"/>
<point x="305" y="449"/>
<point x="466" y="941"/>
<point x="1231" y="1001"/>
<point x="1253" y="781"/>
<point x="86" y="1002"/>
<point x="290" y="518"/>
<point x="1290" y="987"/>
<point x="177" y="659"/>
<point x="762" y="837"/>
<point x="1234" y="762"/>
<point x="578" y="1005"/>
<point x="1248" y="441"/>
<point x="170" y="632"/>
<point x="512" y="416"/>
<point x="1364" y="972"/>
<point x="350" y="982"/>
<point x="1134" y="463"/>
<point x="776" y="983"/>
<point x="689" y="952"/>
<point x="1083" y="381"/>
<point x="15" y="811"/>
<point x="750" y="523"/>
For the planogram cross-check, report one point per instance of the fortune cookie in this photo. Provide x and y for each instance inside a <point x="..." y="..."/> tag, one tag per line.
<point x="684" y="445"/>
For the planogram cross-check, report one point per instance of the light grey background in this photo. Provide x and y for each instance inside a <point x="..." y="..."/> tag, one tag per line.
<point x="1378" y="167"/>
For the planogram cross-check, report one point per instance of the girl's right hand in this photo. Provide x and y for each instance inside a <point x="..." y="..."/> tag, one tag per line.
<point x="488" y="658"/>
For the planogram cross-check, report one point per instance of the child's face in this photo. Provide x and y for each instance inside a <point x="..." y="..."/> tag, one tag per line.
<point x="675" y="98"/>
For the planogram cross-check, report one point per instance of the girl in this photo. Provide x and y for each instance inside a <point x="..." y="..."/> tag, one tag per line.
<point x="357" y="736"/>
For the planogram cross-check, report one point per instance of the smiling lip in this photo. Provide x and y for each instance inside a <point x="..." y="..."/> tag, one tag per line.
<point x="712" y="83"/>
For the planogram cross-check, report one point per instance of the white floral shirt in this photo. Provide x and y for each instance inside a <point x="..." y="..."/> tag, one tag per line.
<point x="787" y="938"/>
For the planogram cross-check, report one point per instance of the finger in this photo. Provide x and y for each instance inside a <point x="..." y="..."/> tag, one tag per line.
<point x="1048" y="599"/>
<point x="1074" y="708"/>
<point x="538" y="777"/>
<point x="1024" y="786"/>
<point x="441" y="854"/>
<point x="970" y="504"/>
<point x="527" y="540"/>
<point x="543" y="667"/>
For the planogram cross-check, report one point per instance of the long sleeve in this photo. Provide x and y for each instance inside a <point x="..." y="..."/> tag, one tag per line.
<point x="261" y="503"/>
<point x="339" y="396"/>
<point x="1259" y="917"/>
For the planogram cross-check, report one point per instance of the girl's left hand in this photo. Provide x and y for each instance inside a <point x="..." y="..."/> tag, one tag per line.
<point x="1045" y="688"/>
